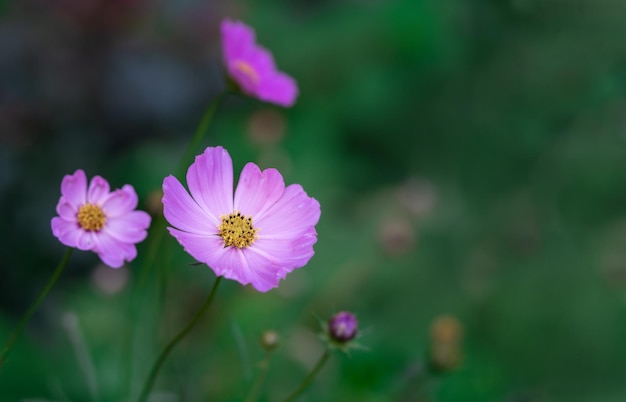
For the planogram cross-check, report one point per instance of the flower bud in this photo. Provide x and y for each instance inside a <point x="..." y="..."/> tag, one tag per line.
<point x="446" y="337"/>
<point x="342" y="327"/>
<point x="154" y="206"/>
<point x="270" y="340"/>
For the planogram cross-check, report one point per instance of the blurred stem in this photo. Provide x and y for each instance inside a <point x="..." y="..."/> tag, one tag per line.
<point x="159" y="362"/>
<point x="196" y="140"/>
<point x="309" y="378"/>
<point x="192" y="149"/>
<point x="158" y="230"/>
<point x="260" y="379"/>
<point x="16" y="333"/>
<point x="414" y="386"/>
<point x="81" y="350"/>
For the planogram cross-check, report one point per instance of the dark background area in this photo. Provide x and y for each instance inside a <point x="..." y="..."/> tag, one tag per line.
<point x="469" y="157"/>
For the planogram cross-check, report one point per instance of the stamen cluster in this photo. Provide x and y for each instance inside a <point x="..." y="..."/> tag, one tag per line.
<point x="90" y="217"/>
<point x="237" y="230"/>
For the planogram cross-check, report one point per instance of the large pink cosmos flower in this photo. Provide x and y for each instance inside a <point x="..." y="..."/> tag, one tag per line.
<point x="252" y="67"/>
<point x="256" y="237"/>
<point x="94" y="218"/>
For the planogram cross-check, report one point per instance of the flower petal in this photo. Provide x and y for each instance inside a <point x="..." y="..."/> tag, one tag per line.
<point x="86" y="240"/>
<point x="290" y="216"/>
<point x="120" y="201"/>
<point x="183" y="212"/>
<point x="278" y="88"/>
<point x="74" y="188"/>
<point x="113" y="252"/>
<point x="287" y="254"/>
<point x="229" y="262"/>
<point x="262" y="61"/>
<point x="206" y="248"/>
<point x="98" y="190"/>
<point x="237" y="39"/>
<point x="257" y="191"/>
<point x="210" y="181"/>
<point x="130" y="228"/>
<point x="66" y="210"/>
<point x="250" y="268"/>
<point x="66" y="232"/>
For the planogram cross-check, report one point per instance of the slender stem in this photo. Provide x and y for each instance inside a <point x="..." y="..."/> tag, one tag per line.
<point x="159" y="362"/>
<point x="309" y="378"/>
<point x="16" y="333"/>
<point x="192" y="148"/>
<point x="81" y="350"/>
<point x="200" y="132"/>
<point x="158" y="230"/>
<point x="260" y="379"/>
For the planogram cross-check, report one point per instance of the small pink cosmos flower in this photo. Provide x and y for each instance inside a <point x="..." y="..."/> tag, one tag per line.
<point x="94" y="218"/>
<point x="252" y="67"/>
<point x="256" y="237"/>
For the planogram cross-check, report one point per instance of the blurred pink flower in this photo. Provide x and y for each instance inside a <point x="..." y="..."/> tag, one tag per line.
<point x="99" y="220"/>
<point x="256" y="237"/>
<point x="252" y="67"/>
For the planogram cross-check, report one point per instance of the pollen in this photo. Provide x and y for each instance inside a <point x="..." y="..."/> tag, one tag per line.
<point x="237" y="230"/>
<point x="91" y="217"/>
<point x="247" y="70"/>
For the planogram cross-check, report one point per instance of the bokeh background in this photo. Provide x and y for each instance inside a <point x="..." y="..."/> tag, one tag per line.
<point x="469" y="157"/>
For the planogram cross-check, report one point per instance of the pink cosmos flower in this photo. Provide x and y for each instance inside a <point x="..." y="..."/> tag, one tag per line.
<point x="94" y="218"/>
<point x="256" y="237"/>
<point x="252" y="67"/>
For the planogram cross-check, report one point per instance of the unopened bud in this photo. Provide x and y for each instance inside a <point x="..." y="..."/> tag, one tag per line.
<point x="342" y="327"/>
<point x="270" y="340"/>
<point x="154" y="206"/>
<point x="446" y="336"/>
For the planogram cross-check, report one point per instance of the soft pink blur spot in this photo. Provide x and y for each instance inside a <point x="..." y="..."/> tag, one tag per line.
<point x="109" y="281"/>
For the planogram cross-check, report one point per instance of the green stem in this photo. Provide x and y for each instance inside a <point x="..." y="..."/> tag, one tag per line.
<point x="159" y="362"/>
<point x="16" y="333"/>
<point x="309" y="378"/>
<point x="158" y="230"/>
<point x="196" y="140"/>
<point x="258" y="383"/>
<point x="160" y="224"/>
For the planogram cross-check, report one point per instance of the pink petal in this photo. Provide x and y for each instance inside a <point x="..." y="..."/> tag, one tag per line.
<point x="230" y="262"/>
<point x="113" y="252"/>
<point x="290" y="216"/>
<point x="262" y="61"/>
<point x="130" y="228"/>
<point x="86" y="240"/>
<point x="120" y="201"/>
<point x="210" y="181"/>
<point x="66" y="210"/>
<point x="257" y="191"/>
<point x="245" y="268"/>
<point x="278" y="88"/>
<point x="206" y="248"/>
<point x="250" y="268"/>
<point x="183" y="212"/>
<point x="66" y="232"/>
<point x="98" y="190"/>
<point x="288" y="254"/>
<point x="237" y="39"/>
<point x="74" y="188"/>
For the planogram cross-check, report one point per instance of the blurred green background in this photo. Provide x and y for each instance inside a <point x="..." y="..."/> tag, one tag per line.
<point x="469" y="157"/>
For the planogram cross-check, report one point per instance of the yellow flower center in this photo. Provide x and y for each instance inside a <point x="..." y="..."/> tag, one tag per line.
<point x="237" y="230"/>
<point x="91" y="217"/>
<point x="247" y="70"/>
